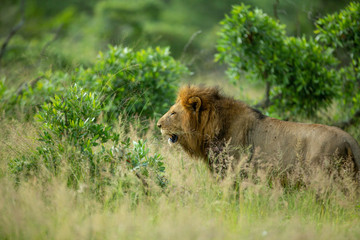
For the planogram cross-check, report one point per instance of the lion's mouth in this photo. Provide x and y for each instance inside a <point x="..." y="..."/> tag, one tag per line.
<point x="173" y="138"/>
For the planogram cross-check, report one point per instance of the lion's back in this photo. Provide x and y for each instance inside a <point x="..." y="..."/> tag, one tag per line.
<point x="312" y="142"/>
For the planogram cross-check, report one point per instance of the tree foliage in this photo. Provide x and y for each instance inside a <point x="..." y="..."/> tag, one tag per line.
<point x="341" y="31"/>
<point x="299" y="70"/>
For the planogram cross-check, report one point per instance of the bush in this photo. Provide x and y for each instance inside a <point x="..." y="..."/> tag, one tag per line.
<point x="309" y="81"/>
<point x="73" y="118"/>
<point x="139" y="83"/>
<point x="341" y="31"/>
<point x="251" y="41"/>
<point x="136" y="82"/>
<point x="68" y="125"/>
<point x="298" y="72"/>
<point x="72" y="142"/>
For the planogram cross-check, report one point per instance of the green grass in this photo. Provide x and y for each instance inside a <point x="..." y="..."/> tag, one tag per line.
<point x="194" y="205"/>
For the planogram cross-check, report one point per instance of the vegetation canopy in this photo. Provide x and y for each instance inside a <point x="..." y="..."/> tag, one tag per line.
<point x="299" y="72"/>
<point x="82" y="84"/>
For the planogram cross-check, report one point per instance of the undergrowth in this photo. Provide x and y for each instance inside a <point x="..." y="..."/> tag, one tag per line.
<point x="192" y="204"/>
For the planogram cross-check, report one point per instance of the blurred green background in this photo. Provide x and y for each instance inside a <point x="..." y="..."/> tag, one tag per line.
<point x="62" y="35"/>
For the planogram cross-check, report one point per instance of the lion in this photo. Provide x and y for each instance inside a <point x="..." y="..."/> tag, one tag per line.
<point x="202" y="120"/>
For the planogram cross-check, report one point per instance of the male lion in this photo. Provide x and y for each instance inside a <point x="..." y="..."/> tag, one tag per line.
<point x="202" y="119"/>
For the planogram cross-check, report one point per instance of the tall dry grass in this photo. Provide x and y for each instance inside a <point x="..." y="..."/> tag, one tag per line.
<point x="194" y="205"/>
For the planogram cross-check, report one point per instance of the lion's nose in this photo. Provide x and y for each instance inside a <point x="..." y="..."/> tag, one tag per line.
<point x="158" y="124"/>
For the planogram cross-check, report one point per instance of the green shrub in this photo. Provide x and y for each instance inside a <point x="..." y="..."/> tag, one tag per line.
<point x="298" y="72"/>
<point x="309" y="81"/>
<point x="74" y="116"/>
<point x="72" y="142"/>
<point x="139" y="83"/>
<point x="70" y="122"/>
<point x="341" y="31"/>
<point x="135" y="82"/>
<point x="251" y="41"/>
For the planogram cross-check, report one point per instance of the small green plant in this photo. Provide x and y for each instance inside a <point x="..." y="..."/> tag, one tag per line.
<point x="140" y="162"/>
<point x="74" y="117"/>
<point x="72" y="121"/>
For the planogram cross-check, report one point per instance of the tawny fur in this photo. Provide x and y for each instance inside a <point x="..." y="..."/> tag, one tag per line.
<point x="203" y="118"/>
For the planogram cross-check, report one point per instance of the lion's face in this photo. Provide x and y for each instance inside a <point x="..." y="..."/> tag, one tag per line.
<point x="181" y="120"/>
<point x="171" y="124"/>
<point x="188" y="122"/>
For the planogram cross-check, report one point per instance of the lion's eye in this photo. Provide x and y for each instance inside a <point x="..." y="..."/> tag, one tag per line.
<point x="173" y="113"/>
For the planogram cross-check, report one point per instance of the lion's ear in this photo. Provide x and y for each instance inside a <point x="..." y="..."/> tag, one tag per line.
<point x="195" y="103"/>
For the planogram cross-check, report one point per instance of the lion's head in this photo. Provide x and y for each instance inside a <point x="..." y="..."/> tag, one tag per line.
<point x="191" y="121"/>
